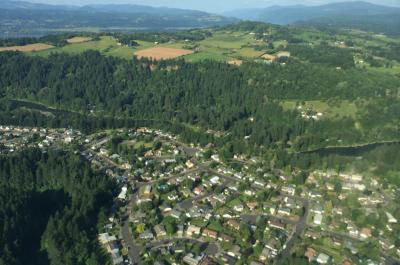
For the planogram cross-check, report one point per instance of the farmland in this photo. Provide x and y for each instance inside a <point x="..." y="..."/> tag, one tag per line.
<point x="28" y="48"/>
<point x="78" y="40"/>
<point x="162" y="53"/>
<point x="221" y="46"/>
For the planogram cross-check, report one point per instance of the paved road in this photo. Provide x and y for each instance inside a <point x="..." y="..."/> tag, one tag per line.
<point x="133" y="249"/>
<point x="211" y="248"/>
<point x="187" y="204"/>
<point x="293" y="238"/>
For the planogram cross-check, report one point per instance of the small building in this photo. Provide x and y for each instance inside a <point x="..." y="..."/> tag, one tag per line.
<point x="190" y="259"/>
<point x="189" y="164"/>
<point x="225" y="238"/>
<point x="234" y="224"/>
<point x="365" y="233"/>
<point x="210" y="233"/>
<point x="193" y="230"/>
<point x="323" y="258"/>
<point x="277" y="225"/>
<point x="238" y="208"/>
<point x="160" y="231"/>
<point x="317" y="220"/>
<point x="310" y="254"/>
<point x="146" y="235"/>
<point x="391" y="218"/>
<point x="234" y="252"/>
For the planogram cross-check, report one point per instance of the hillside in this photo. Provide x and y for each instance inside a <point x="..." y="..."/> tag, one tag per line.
<point x="26" y="19"/>
<point x="360" y="15"/>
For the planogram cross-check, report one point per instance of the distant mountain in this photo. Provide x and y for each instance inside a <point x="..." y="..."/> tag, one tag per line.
<point x="28" y="19"/>
<point x="358" y="14"/>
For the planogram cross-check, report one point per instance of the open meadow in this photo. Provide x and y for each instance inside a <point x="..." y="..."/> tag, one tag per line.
<point x="28" y="48"/>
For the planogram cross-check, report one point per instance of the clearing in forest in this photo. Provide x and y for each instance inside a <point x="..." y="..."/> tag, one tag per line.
<point x="28" y="48"/>
<point x="78" y="39"/>
<point x="162" y="53"/>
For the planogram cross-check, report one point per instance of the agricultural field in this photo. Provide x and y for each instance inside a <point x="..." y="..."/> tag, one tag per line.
<point x="162" y="53"/>
<point x="78" y="40"/>
<point x="222" y="46"/>
<point x="28" y="48"/>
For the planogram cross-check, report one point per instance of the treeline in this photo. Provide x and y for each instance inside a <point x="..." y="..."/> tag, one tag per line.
<point x="162" y="37"/>
<point x="243" y="102"/>
<point x="58" y="40"/>
<point x="324" y="54"/>
<point x="52" y="207"/>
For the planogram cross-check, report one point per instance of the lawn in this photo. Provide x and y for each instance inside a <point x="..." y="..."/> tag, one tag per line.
<point x="340" y="109"/>
<point x="137" y="144"/>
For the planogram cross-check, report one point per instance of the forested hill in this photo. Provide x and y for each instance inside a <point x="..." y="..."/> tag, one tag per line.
<point x="53" y="201"/>
<point x="242" y="101"/>
<point x="27" y="19"/>
<point x="358" y="14"/>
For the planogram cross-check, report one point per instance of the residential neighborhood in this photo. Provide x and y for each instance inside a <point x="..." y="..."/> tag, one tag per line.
<point x="181" y="204"/>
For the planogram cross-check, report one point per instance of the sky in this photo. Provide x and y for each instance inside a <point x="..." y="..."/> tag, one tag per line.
<point x="216" y="6"/>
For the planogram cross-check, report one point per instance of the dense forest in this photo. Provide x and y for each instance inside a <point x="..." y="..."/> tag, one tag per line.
<point x="241" y="101"/>
<point x="51" y="201"/>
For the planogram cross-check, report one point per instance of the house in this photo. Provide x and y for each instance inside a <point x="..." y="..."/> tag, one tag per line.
<point x="234" y="252"/>
<point x="310" y="254"/>
<point x="365" y="233"/>
<point x="265" y="254"/>
<point x="198" y="190"/>
<point x="180" y="231"/>
<point x="318" y="209"/>
<point x="391" y="218"/>
<point x="386" y="244"/>
<point x="284" y="211"/>
<point x="276" y="224"/>
<point x="225" y="238"/>
<point x="323" y="258"/>
<point x="160" y="231"/>
<point x="189" y="164"/>
<point x="238" y="208"/>
<point x="234" y="224"/>
<point x="215" y="158"/>
<point x="317" y="220"/>
<point x="269" y="57"/>
<point x="210" y="233"/>
<point x="175" y="214"/>
<point x="283" y="54"/>
<point x="122" y="194"/>
<point x="252" y="205"/>
<point x="146" y="235"/>
<point x="215" y="180"/>
<point x="289" y="189"/>
<point x="190" y="259"/>
<point x="272" y="246"/>
<point x="116" y="257"/>
<point x="353" y="231"/>
<point x="192" y="230"/>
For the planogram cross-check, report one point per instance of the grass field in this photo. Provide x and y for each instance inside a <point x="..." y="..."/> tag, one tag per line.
<point x="138" y="144"/>
<point x="222" y="46"/>
<point x="340" y="109"/>
<point x="28" y="48"/>
<point x="162" y="53"/>
<point x="78" y="40"/>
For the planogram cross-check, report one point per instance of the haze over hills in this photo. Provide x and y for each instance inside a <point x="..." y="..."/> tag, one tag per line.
<point x="29" y="19"/>
<point x="362" y="15"/>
